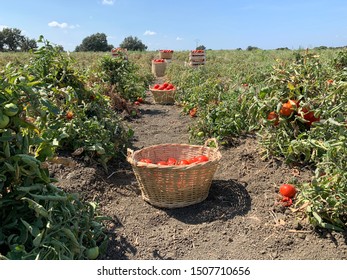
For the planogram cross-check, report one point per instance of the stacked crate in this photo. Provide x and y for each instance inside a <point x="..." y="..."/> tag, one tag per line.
<point x="197" y="58"/>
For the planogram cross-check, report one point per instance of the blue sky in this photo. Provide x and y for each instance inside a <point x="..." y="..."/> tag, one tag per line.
<point x="183" y="24"/>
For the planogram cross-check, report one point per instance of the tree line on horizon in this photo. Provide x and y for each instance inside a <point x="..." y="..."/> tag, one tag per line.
<point x="11" y="40"/>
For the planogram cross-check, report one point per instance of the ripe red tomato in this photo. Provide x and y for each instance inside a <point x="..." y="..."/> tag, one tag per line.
<point x="170" y="86"/>
<point x="137" y="103"/>
<point x="165" y="84"/>
<point x="192" y="112"/>
<point x="140" y="99"/>
<point x="286" y="109"/>
<point x="69" y="115"/>
<point x="146" y="160"/>
<point x="288" y="190"/>
<point x="309" y="116"/>
<point x="193" y="160"/>
<point x="171" y="161"/>
<point x="286" y="201"/>
<point x="202" y="158"/>
<point x="183" y="162"/>
<point x="156" y="86"/>
<point x="272" y="116"/>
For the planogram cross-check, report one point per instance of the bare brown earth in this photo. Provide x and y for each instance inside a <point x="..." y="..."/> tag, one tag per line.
<point x="239" y="219"/>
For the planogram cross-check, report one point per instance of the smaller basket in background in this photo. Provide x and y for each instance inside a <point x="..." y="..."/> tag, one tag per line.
<point x="158" y="67"/>
<point x="165" y="54"/>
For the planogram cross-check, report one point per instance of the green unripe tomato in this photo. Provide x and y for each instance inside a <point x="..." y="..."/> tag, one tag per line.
<point x="92" y="253"/>
<point x="4" y="120"/>
<point x="10" y="110"/>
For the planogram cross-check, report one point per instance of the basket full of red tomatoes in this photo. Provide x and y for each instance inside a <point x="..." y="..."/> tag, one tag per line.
<point x="175" y="175"/>
<point x="165" y="54"/>
<point x="163" y="93"/>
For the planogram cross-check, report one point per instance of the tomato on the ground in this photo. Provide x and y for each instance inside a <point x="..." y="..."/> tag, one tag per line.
<point x="288" y="190"/>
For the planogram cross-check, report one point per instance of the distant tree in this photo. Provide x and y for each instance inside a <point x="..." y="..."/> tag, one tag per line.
<point x="28" y="44"/>
<point x="201" y="47"/>
<point x="11" y="39"/>
<point x="321" y="48"/>
<point x="1" y="42"/>
<point x="60" y="48"/>
<point x="94" y="43"/>
<point x="133" y="44"/>
<point x="251" y="48"/>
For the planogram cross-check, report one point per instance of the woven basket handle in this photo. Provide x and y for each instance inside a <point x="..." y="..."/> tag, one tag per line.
<point x="130" y="156"/>
<point x="208" y="141"/>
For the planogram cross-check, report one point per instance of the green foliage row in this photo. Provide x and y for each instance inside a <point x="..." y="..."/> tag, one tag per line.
<point x="235" y="92"/>
<point x="47" y="105"/>
<point x="124" y="76"/>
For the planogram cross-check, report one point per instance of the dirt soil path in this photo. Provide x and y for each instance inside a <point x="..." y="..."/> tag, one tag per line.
<point x="238" y="220"/>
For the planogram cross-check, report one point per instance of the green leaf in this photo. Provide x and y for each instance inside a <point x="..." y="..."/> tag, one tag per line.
<point x="38" y="208"/>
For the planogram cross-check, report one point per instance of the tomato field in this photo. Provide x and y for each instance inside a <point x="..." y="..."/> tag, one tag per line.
<point x="55" y="105"/>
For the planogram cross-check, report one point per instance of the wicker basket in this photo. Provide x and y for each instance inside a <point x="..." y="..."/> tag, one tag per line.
<point x="158" y="68"/>
<point x="165" y="55"/>
<point x="165" y="97"/>
<point x="176" y="185"/>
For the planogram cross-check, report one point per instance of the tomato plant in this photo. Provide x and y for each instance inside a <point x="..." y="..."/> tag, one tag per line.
<point x="38" y="220"/>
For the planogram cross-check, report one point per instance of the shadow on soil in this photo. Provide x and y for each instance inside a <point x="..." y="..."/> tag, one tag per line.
<point x="226" y="200"/>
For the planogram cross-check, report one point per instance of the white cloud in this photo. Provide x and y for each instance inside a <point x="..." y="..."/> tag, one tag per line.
<point x="149" y="33"/>
<point x="62" y="25"/>
<point x="107" y="2"/>
<point x="179" y="38"/>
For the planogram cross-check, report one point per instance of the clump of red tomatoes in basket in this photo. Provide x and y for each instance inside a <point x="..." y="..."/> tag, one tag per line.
<point x="159" y="60"/>
<point x="166" y="51"/>
<point x="198" y="51"/>
<point x="174" y="161"/>
<point x="164" y="86"/>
